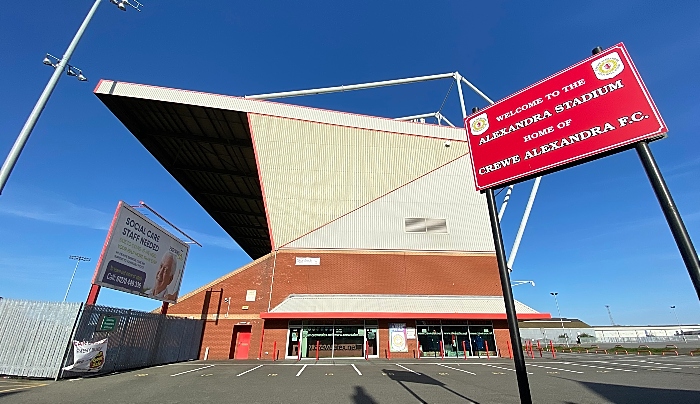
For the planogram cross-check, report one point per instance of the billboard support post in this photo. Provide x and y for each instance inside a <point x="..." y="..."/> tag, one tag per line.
<point x="519" y="359"/>
<point x="673" y="217"/>
<point x="92" y="295"/>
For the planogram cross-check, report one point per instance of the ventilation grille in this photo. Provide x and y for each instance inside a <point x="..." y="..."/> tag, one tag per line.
<point x="425" y="225"/>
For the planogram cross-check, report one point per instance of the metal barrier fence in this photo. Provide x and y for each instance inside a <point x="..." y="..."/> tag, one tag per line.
<point x="137" y="339"/>
<point x="34" y="336"/>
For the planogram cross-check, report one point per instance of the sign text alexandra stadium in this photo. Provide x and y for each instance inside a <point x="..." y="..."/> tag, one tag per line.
<point x="592" y="107"/>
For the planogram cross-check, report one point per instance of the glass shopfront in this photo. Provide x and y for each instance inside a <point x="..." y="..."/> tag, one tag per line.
<point x="456" y="336"/>
<point x="332" y="338"/>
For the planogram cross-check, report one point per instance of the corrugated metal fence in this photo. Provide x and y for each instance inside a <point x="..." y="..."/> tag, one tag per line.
<point x="139" y="339"/>
<point x="35" y="337"/>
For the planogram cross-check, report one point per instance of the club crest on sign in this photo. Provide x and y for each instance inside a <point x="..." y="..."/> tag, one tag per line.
<point x="608" y="66"/>
<point x="479" y="124"/>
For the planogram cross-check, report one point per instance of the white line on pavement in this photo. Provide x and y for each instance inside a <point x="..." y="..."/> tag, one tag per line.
<point x="404" y="367"/>
<point x="249" y="370"/>
<point x="356" y="369"/>
<point x="597" y="367"/>
<point x="498" y="367"/>
<point x="549" y="367"/>
<point x="460" y="370"/>
<point x="302" y="369"/>
<point x="193" y="370"/>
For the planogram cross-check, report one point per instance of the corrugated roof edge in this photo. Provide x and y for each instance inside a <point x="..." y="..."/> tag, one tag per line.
<point x="156" y="93"/>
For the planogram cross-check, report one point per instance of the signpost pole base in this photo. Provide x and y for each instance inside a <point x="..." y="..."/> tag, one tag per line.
<point x="164" y="308"/>
<point x="520" y="371"/>
<point x="92" y="295"/>
<point x="673" y="217"/>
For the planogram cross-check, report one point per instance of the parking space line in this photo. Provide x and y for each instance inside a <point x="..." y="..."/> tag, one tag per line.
<point x="597" y="367"/>
<point x="549" y="367"/>
<point x="21" y="388"/>
<point x="404" y="367"/>
<point x="302" y="369"/>
<point x="249" y="370"/>
<point x="499" y="367"/>
<point x="193" y="370"/>
<point x="459" y="370"/>
<point x="640" y="366"/>
<point x="356" y="369"/>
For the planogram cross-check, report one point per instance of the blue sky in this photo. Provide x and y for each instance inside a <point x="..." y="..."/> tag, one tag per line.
<point x="596" y="234"/>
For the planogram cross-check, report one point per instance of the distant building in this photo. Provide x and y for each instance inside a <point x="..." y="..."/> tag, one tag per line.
<point x="367" y="234"/>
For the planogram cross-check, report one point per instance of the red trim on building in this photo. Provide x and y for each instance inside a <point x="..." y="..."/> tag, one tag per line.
<point x="412" y="316"/>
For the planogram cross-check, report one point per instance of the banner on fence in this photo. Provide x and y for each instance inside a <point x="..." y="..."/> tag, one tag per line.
<point x="88" y="356"/>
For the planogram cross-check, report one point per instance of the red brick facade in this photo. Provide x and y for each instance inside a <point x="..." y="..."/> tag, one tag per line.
<point x="339" y="272"/>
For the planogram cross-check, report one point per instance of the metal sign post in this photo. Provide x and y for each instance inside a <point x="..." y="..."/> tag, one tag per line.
<point x="519" y="358"/>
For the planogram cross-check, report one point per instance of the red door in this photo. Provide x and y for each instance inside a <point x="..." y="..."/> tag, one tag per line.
<point x="242" y="338"/>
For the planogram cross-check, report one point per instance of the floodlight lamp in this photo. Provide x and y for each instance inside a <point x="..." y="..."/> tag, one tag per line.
<point x="70" y="71"/>
<point x="121" y="5"/>
<point x="50" y="60"/>
<point x="83" y="78"/>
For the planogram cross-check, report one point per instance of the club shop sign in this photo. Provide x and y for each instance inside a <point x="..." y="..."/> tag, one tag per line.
<point x="592" y="107"/>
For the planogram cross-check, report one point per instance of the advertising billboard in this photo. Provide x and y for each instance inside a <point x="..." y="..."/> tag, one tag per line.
<point x="592" y="107"/>
<point x="141" y="258"/>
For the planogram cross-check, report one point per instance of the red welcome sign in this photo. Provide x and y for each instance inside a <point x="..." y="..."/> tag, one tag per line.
<point x="592" y="107"/>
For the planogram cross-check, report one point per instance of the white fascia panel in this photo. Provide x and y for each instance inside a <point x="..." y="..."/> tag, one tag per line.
<point x="227" y="102"/>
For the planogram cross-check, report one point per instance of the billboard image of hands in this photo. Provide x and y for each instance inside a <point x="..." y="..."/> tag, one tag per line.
<point x="141" y="258"/>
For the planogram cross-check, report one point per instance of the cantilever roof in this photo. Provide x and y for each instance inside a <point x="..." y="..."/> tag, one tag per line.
<point x="398" y="306"/>
<point x="204" y="141"/>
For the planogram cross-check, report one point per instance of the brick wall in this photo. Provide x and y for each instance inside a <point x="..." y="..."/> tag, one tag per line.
<point x="339" y="272"/>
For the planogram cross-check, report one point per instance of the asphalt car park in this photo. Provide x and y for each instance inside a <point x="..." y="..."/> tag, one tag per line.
<point x="570" y="378"/>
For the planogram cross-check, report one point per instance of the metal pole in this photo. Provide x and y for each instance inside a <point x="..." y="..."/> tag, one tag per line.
<point x="505" y="202"/>
<point x="519" y="358"/>
<point x="679" y="324"/>
<point x="556" y="301"/>
<point x="476" y="90"/>
<point x="523" y="223"/>
<point x="77" y="258"/>
<point x="673" y="217"/>
<point x="23" y="136"/>
<point x="350" y="87"/>
<point x="71" y="280"/>
<point x="461" y="96"/>
<point x="612" y="322"/>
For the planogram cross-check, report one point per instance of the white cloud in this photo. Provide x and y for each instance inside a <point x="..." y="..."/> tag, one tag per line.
<point x="59" y="212"/>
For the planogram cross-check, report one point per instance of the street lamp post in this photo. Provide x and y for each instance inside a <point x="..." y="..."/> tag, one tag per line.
<point x="59" y="66"/>
<point x="560" y="318"/>
<point x="680" y="329"/>
<point x="78" y="258"/>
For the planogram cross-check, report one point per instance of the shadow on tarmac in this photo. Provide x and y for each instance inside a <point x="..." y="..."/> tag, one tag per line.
<point x="361" y="396"/>
<point x="620" y="394"/>
<point x="402" y="377"/>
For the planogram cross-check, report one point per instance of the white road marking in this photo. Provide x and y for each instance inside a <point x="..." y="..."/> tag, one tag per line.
<point x="404" y="367"/>
<point x="193" y="370"/>
<point x="356" y="369"/>
<point x="302" y="369"/>
<point x="640" y="366"/>
<point x="548" y="367"/>
<point x="597" y="367"/>
<point x="249" y="370"/>
<point x="498" y="367"/>
<point x="460" y="370"/>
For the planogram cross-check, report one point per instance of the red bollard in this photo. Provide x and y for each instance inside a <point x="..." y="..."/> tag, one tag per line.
<point x="539" y="348"/>
<point x="532" y="351"/>
<point x="274" y="351"/>
<point x="366" y="350"/>
<point x="420" y="350"/>
<point x="317" y="344"/>
<point x="551" y="345"/>
<point x="510" y="353"/>
<point x="388" y="350"/>
<point x="464" y="349"/>
<point x="299" y="349"/>
<point x="487" y="350"/>
<point x="442" y="351"/>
